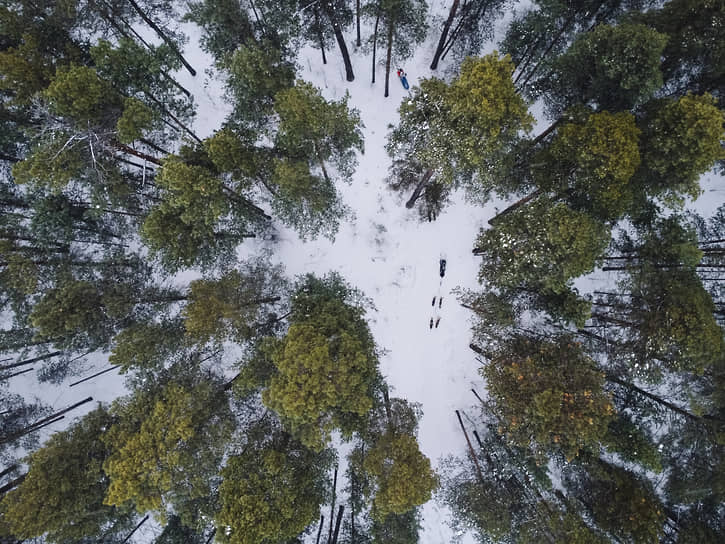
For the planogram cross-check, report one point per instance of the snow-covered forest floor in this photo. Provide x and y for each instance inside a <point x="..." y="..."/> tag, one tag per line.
<point x="384" y="250"/>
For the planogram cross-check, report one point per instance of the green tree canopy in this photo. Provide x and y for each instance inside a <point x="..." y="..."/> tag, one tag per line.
<point x="540" y="247"/>
<point x="611" y="68"/>
<point x="166" y="448"/>
<point x="462" y="132"/>
<point x="235" y="306"/>
<point x="272" y="491"/>
<point x="621" y="502"/>
<point x="402" y="474"/>
<point x="548" y="395"/>
<point x="681" y="139"/>
<point x="326" y="363"/>
<point x="590" y="163"/>
<point x="62" y="497"/>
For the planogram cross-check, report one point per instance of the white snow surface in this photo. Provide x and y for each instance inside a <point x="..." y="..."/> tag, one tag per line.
<point x="385" y="251"/>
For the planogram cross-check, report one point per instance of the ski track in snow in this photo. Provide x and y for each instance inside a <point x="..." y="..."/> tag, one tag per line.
<point x="385" y="251"/>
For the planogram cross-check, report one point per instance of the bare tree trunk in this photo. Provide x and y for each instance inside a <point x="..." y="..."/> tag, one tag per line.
<point x="513" y="206"/>
<point x="30" y="428"/>
<point x="163" y="36"/>
<point x="471" y="451"/>
<point x="388" y="58"/>
<point x="332" y="507"/>
<point x="3" y="378"/>
<point x="94" y="375"/>
<point x="349" y="75"/>
<point x="153" y="146"/>
<point x="419" y="188"/>
<point x="8" y="470"/>
<point x="465" y="11"/>
<point x="375" y="42"/>
<point x="357" y="22"/>
<point x="319" y="531"/>
<point x="320" y="37"/>
<point x="658" y="400"/>
<point x="8" y="158"/>
<point x="139" y="154"/>
<point x="134" y="530"/>
<point x="337" y="524"/>
<point x="31" y="361"/>
<point x="12" y="484"/>
<point x="444" y="34"/>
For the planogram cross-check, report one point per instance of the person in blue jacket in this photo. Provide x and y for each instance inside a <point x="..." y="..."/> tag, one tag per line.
<point x="403" y="78"/>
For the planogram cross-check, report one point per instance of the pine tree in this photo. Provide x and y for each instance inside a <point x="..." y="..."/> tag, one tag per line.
<point x="680" y="141"/>
<point x="402" y="474"/>
<point x="235" y="305"/>
<point x="469" y="24"/>
<point x="548" y="396"/>
<point x="166" y="446"/>
<point x="541" y="247"/>
<point x="62" y="495"/>
<point x="693" y="56"/>
<point x="589" y="164"/>
<point x="611" y="68"/>
<point x="271" y="491"/>
<point x="404" y="26"/>
<point x="326" y="363"/>
<point x="460" y="134"/>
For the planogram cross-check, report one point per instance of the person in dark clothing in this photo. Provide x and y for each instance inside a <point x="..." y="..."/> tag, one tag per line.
<point x="442" y="267"/>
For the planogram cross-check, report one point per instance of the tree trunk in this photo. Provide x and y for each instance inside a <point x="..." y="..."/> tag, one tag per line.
<point x="8" y="470"/>
<point x="332" y="507"/>
<point x="658" y="400"/>
<point x="357" y="22"/>
<point x="465" y="11"/>
<point x="320" y="37"/>
<point x="31" y="361"/>
<point x="337" y="524"/>
<point x="8" y="158"/>
<point x="471" y="451"/>
<point x="444" y="34"/>
<point x="349" y="75"/>
<point x="613" y="320"/>
<point x="165" y="111"/>
<point x="163" y="36"/>
<point x="319" y="531"/>
<point x="134" y="530"/>
<point x="514" y="206"/>
<point x="135" y="164"/>
<point x="94" y="375"/>
<point x="30" y="428"/>
<point x="662" y="267"/>
<point x="239" y="199"/>
<point x="419" y="188"/>
<point x="388" y="57"/>
<point x="375" y="42"/>
<point x="548" y="131"/>
<point x="527" y="57"/>
<point x="139" y="154"/>
<point x="153" y="146"/>
<point x="558" y="36"/>
<point x="388" y="411"/>
<point x="12" y="484"/>
<point x="3" y="378"/>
